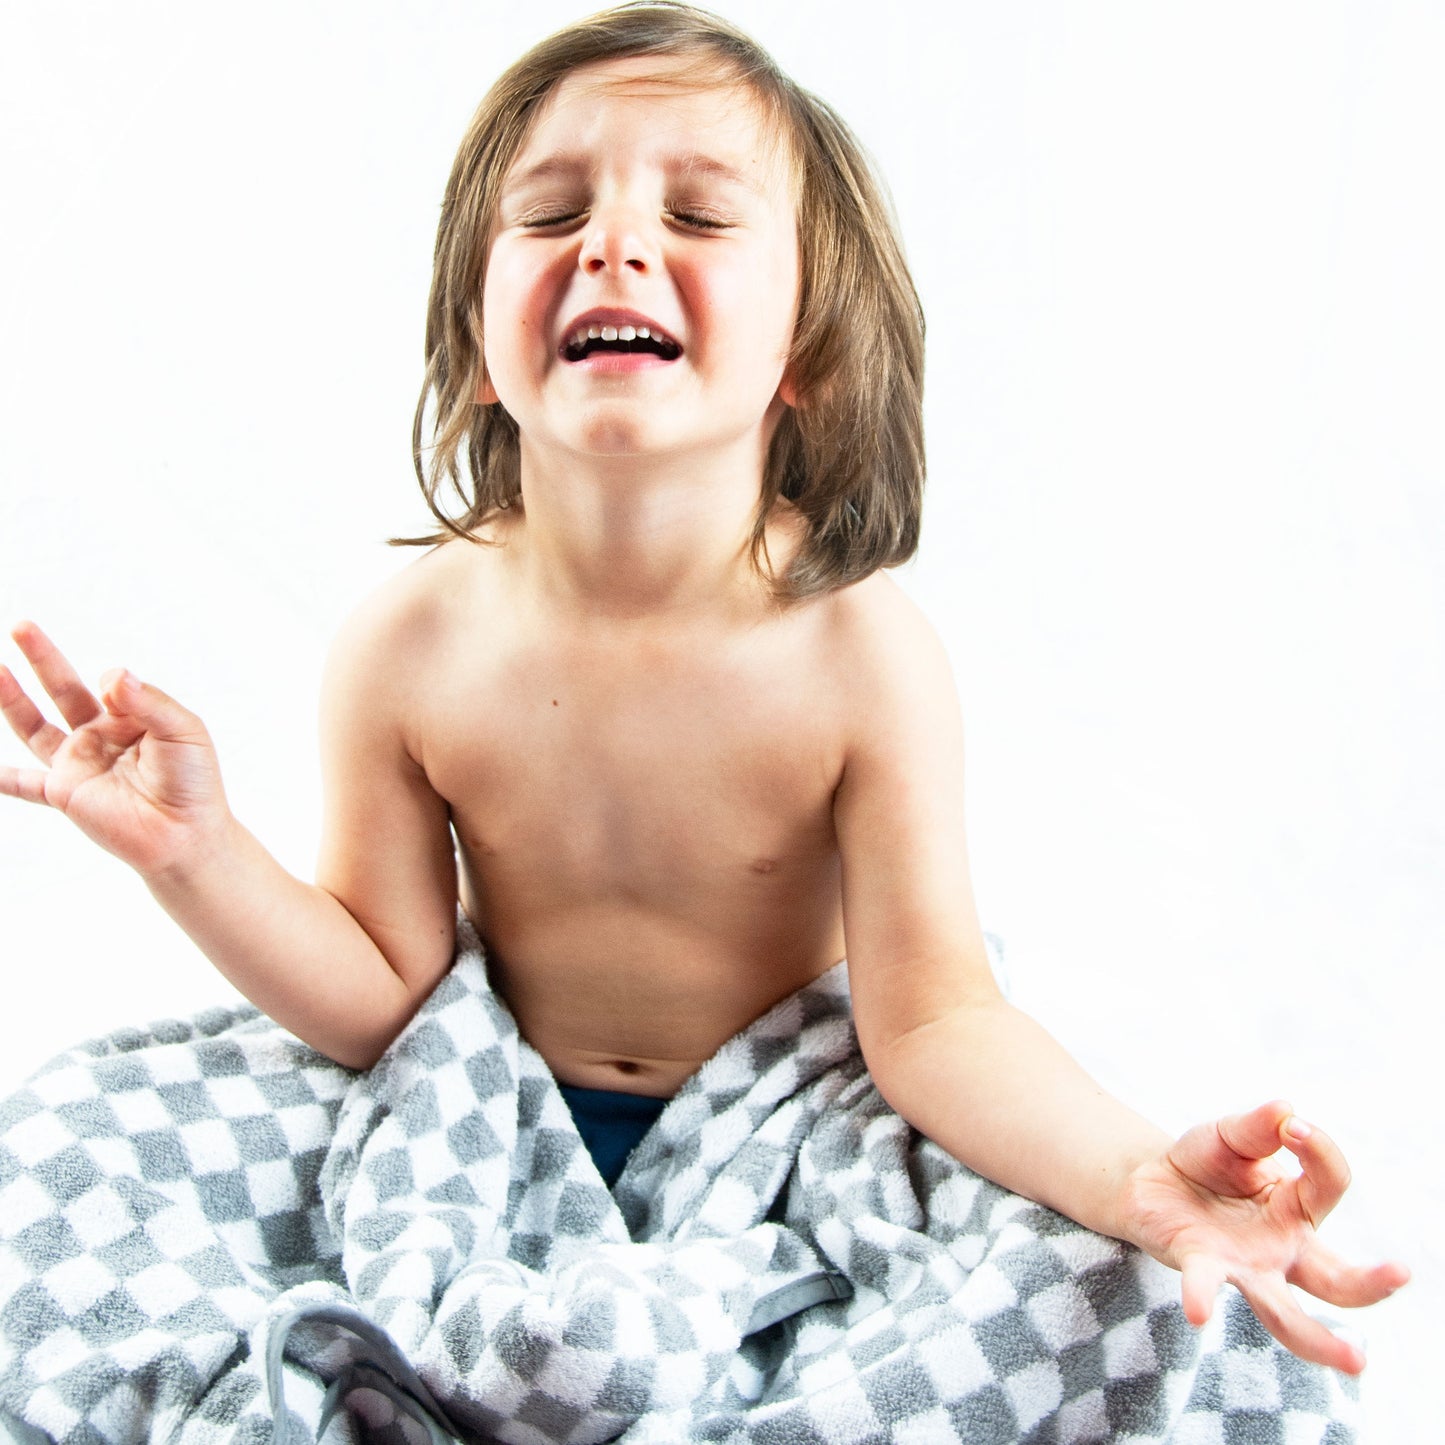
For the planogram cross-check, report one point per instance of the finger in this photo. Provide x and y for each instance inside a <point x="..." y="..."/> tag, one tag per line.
<point x="125" y="695"/>
<point x="60" y="680"/>
<point x="1325" y="1275"/>
<point x="1279" y="1312"/>
<point x="1232" y="1156"/>
<point x="1326" y="1175"/>
<point x="26" y="783"/>
<point x="26" y="720"/>
<point x="1204" y="1277"/>
<point x="1255" y="1135"/>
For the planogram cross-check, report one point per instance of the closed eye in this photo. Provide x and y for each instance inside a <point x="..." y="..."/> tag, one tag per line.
<point x="699" y="222"/>
<point x="558" y="220"/>
<point x="549" y="219"/>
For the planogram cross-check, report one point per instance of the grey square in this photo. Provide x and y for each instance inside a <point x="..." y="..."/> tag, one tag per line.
<point x="259" y="1137"/>
<point x="225" y="1196"/>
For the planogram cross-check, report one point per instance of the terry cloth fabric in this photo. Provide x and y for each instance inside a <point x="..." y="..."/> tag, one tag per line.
<point x="612" y="1124"/>
<point x="209" y="1233"/>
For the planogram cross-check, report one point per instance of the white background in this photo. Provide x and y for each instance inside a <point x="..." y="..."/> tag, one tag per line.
<point x="1185" y="528"/>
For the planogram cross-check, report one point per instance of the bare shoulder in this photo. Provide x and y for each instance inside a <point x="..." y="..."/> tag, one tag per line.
<point x="408" y="632"/>
<point x="885" y="656"/>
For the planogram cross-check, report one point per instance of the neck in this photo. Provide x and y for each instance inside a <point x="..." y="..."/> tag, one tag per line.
<point x="625" y="538"/>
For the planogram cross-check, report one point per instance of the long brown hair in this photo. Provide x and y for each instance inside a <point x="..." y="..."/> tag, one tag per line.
<point x="849" y="456"/>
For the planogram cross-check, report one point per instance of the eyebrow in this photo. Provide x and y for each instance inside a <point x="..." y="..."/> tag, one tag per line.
<point x="568" y="166"/>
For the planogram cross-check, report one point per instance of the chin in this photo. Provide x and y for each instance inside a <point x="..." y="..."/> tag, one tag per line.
<point x="619" y="436"/>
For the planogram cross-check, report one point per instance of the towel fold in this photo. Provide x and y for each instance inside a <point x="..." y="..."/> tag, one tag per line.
<point x="210" y="1233"/>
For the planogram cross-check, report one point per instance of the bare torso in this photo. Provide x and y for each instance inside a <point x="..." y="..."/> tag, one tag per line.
<point x="643" y="816"/>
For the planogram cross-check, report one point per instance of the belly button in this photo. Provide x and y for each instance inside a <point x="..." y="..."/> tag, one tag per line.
<point x="628" y="1066"/>
<point x="764" y="865"/>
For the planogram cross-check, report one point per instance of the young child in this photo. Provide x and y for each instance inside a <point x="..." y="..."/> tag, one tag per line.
<point x="650" y="708"/>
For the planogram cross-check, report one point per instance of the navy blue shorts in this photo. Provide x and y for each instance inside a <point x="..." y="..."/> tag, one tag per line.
<point x="611" y="1124"/>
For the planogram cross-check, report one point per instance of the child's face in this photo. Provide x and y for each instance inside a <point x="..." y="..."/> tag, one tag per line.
<point x="636" y="205"/>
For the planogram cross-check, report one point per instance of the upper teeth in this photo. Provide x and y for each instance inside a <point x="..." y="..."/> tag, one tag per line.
<point x="584" y="334"/>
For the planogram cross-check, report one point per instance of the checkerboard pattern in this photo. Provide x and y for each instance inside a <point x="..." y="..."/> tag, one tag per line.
<point x="209" y="1233"/>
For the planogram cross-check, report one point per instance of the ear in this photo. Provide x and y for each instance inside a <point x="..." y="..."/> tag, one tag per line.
<point x="486" y="392"/>
<point x="788" y="391"/>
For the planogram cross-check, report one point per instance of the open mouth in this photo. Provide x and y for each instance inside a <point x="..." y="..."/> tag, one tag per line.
<point x="589" y="340"/>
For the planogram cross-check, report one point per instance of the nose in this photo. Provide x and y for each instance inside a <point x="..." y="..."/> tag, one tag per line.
<point x="617" y="239"/>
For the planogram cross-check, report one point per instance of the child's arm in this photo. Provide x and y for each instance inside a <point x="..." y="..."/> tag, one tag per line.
<point x="985" y="1081"/>
<point x="343" y="964"/>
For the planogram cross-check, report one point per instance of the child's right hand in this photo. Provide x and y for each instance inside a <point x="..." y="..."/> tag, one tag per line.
<point x="137" y="773"/>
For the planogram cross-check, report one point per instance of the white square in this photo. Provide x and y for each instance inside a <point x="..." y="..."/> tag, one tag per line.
<point x="1083" y="1250"/>
<point x="952" y="1201"/>
<point x="432" y="1160"/>
<point x="307" y="1126"/>
<point x="328" y="1081"/>
<point x="833" y="1237"/>
<point x="35" y="1139"/>
<point x="99" y="1217"/>
<point x="1014" y="1236"/>
<point x="1198" y="1428"/>
<point x="210" y="1146"/>
<point x="64" y="1086"/>
<point x="140" y="1111"/>
<point x="929" y="1429"/>
<point x="1085" y="1419"/>
<point x="52" y="1415"/>
<point x="813" y="1350"/>
<point x="22" y="1202"/>
<point x="76" y="1284"/>
<point x="633" y="1327"/>
<point x="57" y="1352"/>
<point x="875" y="1322"/>
<point x="237" y="1097"/>
<point x="1305" y="1427"/>
<point x="1034" y="1392"/>
<point x="843" y="1415"/>
<point x="241" y="1305"/>
<point x="173" y="1064"/>
<point x="272" y="1184"/>
<point x="1249" y="1380"/>
<point x="1129" y="1350"/>
<point x="500" y="1113"/>
<point x="574" y="1376"/>
<point x="954" y="1363"/>
<point x="115" y="1158"/>
<point x="1063" y="1315"/>
<point x="162" y="1288"/>
<point x="732" y="1205"/>
<point x="987" y="1292"/>
<point x="176" y="1231"/>
<point x="410" y="1274"/>
<point x="456" y="1098"/>
<point x="242" y="1240"/>
<point x="1004" y="1210"/>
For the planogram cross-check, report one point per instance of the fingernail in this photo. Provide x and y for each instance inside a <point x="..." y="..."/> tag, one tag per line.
<point x="1296" y="1127"/>
<point x="117" y="684"/>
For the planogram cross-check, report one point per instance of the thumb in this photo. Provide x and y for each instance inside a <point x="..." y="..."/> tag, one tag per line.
<point x="125" y="695"/>
<point x="1204" y="1277"/>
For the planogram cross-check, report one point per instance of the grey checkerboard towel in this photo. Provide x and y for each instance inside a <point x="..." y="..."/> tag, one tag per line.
<point x="210" y="1233"/>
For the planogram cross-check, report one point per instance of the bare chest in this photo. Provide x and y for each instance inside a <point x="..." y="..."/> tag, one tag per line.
<point x="646" y="846"/>
<point x="641" y="773"/>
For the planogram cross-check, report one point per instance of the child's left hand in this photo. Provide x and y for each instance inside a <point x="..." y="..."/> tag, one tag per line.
<point x="1218" y="1207"/>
